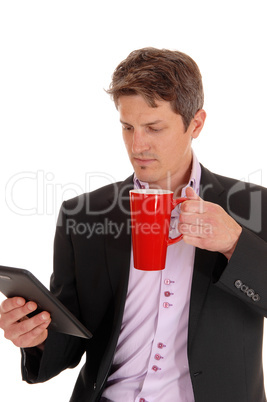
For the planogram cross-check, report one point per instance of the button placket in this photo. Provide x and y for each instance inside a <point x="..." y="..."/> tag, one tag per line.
<point x="168" y="293"/>
<point x="172" y="302"/>
<point x="158" y="345"/>
<point x="159" y="351"/>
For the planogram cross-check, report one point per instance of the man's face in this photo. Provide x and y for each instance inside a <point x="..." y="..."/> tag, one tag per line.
<point x="158" y="146"/>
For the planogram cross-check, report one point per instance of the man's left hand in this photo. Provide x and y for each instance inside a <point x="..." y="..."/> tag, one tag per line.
<point x="206" y="225"/>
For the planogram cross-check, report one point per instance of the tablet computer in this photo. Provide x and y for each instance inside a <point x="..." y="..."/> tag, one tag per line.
<point x="21" y="282"/>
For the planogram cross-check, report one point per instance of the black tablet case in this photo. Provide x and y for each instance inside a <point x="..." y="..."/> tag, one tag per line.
<point x="21" y="282"/>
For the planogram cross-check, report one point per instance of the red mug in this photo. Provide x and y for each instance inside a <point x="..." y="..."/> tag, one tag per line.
<point x="150" y="222"/>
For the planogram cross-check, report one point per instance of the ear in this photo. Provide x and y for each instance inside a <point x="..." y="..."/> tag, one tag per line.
<point x="197" y="123"/>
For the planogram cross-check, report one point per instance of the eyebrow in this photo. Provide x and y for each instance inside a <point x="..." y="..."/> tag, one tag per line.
<point x="143" y="125"/>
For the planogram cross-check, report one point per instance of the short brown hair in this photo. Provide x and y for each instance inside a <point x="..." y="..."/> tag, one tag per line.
<point x="160" y="74"/>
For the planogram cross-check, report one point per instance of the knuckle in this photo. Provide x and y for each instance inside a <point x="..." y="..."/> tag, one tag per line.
<point x="182" y="227"/>
<point x="23" y="327"/>
<point x="8" y="334"/>
<point x="13" y="315"/>
<point x="37" y="331"/>
<point x="209" y="220"/>
<point x="205" y="243"/>
<point x="3" y="306"/>
<point x="214" y="208"/>
<point x="202" y="244"/>
<point x="181" y="218"/>
<point x="21" y="342"/>
<point x="36" y="320"/>
<point x="2" y="326"/>
<point x="8" y="304"/>
<point x="185" y="206"/>
<point x="17" y="342"/>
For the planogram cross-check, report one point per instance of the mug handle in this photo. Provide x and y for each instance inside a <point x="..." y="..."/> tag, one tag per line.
<point x="174" y="204"/>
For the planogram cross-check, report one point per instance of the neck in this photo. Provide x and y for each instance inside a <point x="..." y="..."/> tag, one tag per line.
<point x="175" y="182"/>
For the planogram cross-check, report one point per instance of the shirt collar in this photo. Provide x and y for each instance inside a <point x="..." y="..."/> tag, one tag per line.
<point x="138" y="184"/>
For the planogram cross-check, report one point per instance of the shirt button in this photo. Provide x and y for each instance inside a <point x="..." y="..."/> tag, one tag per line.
<point x="155" y="368"/>
<point x="157" y="356"/>
<point x="161" y="345"/>
<point x="166" y="305"/>
<point x="167" y="294"/>
<point x="168" y="281"/>
<point x="142" y="400"/>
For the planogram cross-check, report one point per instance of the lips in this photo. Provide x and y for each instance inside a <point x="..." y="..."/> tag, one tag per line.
<point x="143" y="162"/>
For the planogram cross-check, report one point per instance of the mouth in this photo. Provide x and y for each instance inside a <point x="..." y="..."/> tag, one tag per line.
<point x="143" y="162"/>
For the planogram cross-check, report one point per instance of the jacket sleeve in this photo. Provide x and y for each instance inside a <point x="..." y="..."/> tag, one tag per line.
<point x="245" y="275"/>
<point x="61" y="351"/>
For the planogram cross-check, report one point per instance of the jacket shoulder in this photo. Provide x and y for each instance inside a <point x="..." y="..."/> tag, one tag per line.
<point x="245" y="202"/>
<point x="224" y="183"/>
<point x="99" y="199"/>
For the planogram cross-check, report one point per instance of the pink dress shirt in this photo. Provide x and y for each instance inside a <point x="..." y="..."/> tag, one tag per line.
<point x="150" y="362"/>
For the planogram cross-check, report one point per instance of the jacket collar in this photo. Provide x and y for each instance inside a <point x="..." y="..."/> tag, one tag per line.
<point x="210" y="190"/>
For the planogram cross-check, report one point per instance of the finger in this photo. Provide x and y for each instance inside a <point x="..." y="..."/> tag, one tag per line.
<point x="34" y="337"/>
<point x="194" y="203"/>
<point x="201" y="221"/>
<point x="11" y="303"/>
<point x="23" y="327"/>
<point x="17" y="314"/>
<point x="196" y="241"/>
<point x="194" y="206"/>
<point x="192" y="230"/>
<point x="191" y="219"/>
<point x="191" y="194"/>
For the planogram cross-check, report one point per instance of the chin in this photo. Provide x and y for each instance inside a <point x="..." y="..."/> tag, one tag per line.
<point x="143" y="175"/>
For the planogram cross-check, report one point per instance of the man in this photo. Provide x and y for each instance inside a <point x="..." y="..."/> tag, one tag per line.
<point x="192" y="332"/>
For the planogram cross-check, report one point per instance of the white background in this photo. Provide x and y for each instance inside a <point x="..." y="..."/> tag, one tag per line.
<point x="59" y="129"/>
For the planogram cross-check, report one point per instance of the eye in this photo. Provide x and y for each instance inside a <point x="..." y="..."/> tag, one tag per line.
<point x="153" y="130"/>
<point x="127" y="128"/>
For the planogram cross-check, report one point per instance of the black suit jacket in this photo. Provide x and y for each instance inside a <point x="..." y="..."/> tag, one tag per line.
<point x="228" y="299"/>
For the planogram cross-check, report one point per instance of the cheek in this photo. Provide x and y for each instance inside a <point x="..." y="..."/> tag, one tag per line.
<point x="181" y="146"/>
<point x="125" y="139"/>
<point x="172" y="155"/>
<point x="128" y="143"/>
<point x="169" y="152"/>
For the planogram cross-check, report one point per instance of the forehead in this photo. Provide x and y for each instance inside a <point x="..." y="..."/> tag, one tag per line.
<point x="135" y="106"/>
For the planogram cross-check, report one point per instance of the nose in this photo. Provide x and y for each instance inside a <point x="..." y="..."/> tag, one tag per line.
<point x="140" y="143"/>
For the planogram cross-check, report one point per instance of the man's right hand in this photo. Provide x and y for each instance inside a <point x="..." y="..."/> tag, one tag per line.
<point x="24" y="332"/>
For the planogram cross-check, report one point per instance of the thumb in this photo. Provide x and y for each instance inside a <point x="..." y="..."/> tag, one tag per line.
<point x="191" y="194"/>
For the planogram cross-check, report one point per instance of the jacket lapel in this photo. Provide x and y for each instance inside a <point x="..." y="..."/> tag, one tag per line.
<point x="205" y="261"/>
<point x="118" y="240"/>
<point x="118" y="252"/>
